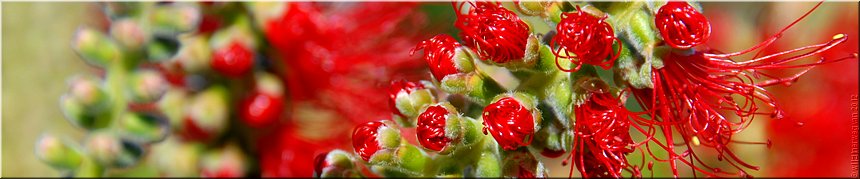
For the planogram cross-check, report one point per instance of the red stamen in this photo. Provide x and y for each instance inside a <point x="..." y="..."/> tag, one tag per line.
<point x="439" y="54"/>
<point x="431" y="128"/>
<point x="364" y="139"/>
<point x="586" y="40"/>
<point x="694" y="93"/>
<point x="681" y="25"/>
<point x="496" y="33"/>
<point x="510" y="123"/>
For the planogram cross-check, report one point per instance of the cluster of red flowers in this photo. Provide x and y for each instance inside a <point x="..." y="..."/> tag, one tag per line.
<point x="699" y="96"/>
<point x="337" y="56"/>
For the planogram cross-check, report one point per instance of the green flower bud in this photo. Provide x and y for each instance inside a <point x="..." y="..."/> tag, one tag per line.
<point x="337" y="163"/>
<point x="532" y="8"/>
<point x="129" y="33"/>
<point x="223" y="162"/>
<point x="95" y="47"/>
<point x="175" y="158"/>
<point x="59" y="153"/>
<point x="162" y="48"/>
<point x="146" y="86"/>
<point x="207" y="114"/>
<point x="263" y="12"/>
<point x="174" y="18"/>
<point x="194" y="55"/>
<point x="144" y="127"/>
<point x="489" y="165"/>
<point x="408" y="98"/>
<point x="172" y="105"/>
<point x="238" y="31"/>
<point x="477" y="86"/>
<point x="109" y="150"/>
<point x="87" y="105"/>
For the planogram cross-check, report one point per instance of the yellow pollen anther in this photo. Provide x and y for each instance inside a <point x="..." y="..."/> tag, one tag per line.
<point x="838" y="36"/>
<point x="695" y="141"/>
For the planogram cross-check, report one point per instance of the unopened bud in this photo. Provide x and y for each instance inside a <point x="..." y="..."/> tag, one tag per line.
<point x="128" y="33"/>
<point x="95" y="47"/>
<point x="107" y="149"/>
<point x="147" y="86"/>
<point x="59" y="153"/>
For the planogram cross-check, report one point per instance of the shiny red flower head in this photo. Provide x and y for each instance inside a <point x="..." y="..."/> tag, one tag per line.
<point x="439" y="54"/>
<point x="496" y="33"/>
<point x="320" y="163"/>
<point x="234" y="60"/>
<point x="261" y="108"/>
<point x="364" y="139"/>
<point x="586" y="39"/>
<point x="602" y="137"/>
<point x="510" y="123"/>
<point x="397" y="87"/>
<point x="431" y="128"/>
<point x="681" y="25"/>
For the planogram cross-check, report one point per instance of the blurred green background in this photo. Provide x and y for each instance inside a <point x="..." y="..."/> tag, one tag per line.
<point x="37" y="61"/>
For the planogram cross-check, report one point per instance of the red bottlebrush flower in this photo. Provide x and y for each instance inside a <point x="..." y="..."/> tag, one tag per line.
<point x="364" y="139"/>
<point x="681" y="25"/>
<point x="696" y="91"/>
<point x="319" y="164"/>
<point x="261" y="108"/>
<point x="602" y="137"/>
<point x="233" y="60"/>
<point x="510" y="123"/>
<point x="337" y="58"/>
<point x="431" y="128"/>
<point x="396" y="88"/>
<point x="439" y="55"/>
<point x="586" y="40"/>
<point x="496" y="33"/>
<point x="288" y="153"/>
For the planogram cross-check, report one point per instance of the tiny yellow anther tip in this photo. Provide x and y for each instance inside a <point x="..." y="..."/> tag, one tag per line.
<point x="839" y="36"/>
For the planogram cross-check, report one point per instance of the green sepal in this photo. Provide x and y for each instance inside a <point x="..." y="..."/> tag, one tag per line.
<point x="108" y="149"/>
<point x="410" y="105"/>
<point x="144" y="127"/>
<point x="95" y="47"/>
<point x="478" y="87"/>
<point x="59" y="153"/>
<point x="173" y="19"/>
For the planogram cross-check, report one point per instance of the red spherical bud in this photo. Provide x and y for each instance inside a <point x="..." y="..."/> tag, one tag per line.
<point x="496" y="33"/>
<point x="397" y="87"/>
<point x="586" y="39"/>
<point x="431" y="128"/>
<point x="260" y="108"/>
<point x="510" y="123"/>
<point x="319" y="164"/>
<point x="234" y="60"/>
<point x="364" y="139"/>
<point x="681" y="25"/>
<point x="439" y="54"/>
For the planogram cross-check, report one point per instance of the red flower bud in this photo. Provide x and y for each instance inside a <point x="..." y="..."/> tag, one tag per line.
<point x="439" y="54"/>
<point x="364" y="139"/>
<point x="681" y="25"/>
<point x="260" y="109"/>
<point x="585" y="38"/>
<point x="496" y="33"/>
<point x="397" y="87"/>
<point x="431" y="128"/>
<point x="510" y="123"/>
<point x="233" y="60"/>
<point x="319" y="164"/>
